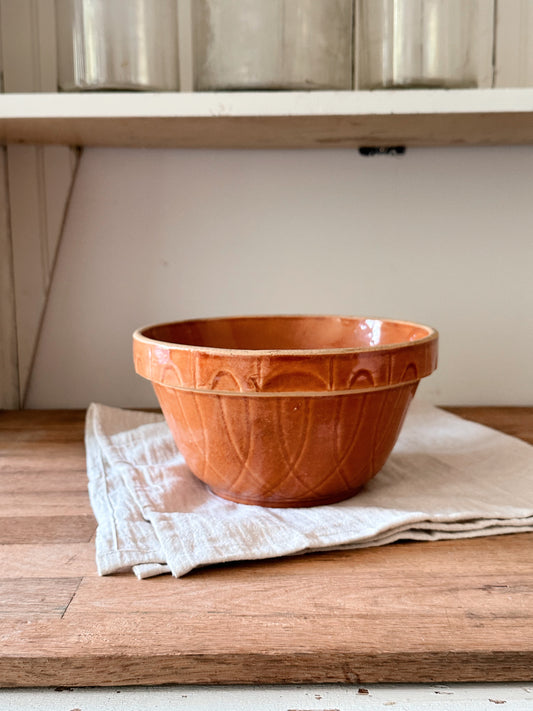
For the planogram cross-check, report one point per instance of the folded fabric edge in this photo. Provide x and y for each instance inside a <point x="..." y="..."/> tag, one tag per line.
<point x="109" y="562"/>
<point x="408" y="536"/>
<point x="150" y="570"/>
<point x="427" y="535"/>
<point x="118" y="559"/>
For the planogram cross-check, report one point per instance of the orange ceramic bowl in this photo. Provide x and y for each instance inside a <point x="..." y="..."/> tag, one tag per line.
<point x="285" y="410"/>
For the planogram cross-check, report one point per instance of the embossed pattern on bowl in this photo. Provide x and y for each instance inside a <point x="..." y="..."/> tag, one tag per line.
<point x="285" y="410"/>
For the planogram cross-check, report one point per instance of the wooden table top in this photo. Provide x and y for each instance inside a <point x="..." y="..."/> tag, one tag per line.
<point x="408" y="612"/>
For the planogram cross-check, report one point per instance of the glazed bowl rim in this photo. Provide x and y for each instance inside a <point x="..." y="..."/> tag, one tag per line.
<point x="138" y="335"/>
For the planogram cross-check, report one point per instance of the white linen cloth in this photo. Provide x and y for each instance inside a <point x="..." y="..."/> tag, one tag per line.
<point x="446" y="478"/>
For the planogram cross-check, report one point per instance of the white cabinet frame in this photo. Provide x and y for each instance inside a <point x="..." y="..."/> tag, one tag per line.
<point x="34" y="191"/>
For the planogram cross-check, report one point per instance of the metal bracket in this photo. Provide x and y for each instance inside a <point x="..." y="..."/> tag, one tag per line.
<point x="382" y="150"/>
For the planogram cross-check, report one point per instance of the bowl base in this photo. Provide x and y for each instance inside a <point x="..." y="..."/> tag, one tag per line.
<point x="286" y="503"/>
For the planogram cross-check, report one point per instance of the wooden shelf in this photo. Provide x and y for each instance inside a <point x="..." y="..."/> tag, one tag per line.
<point x="271" y="119"/>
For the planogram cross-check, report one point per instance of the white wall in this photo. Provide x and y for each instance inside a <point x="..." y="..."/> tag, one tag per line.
<point x="442" y="236"/>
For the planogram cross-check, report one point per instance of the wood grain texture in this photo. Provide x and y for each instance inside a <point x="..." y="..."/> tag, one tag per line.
<point x="514" y="421"/>
<point x="48" y="561"/>
<point x="47" y="529"/>
<point x="408" y="612"/>
<point x="38" y="598"/>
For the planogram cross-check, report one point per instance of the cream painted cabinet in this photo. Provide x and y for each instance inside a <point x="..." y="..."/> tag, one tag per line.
<point x="34" y="189"/>
<point x="37" y="126"/>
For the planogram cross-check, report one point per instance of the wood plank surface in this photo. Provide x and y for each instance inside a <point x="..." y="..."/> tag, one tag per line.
<point x="514" y="421"/>
<point x="408" y="612"/>
<point x="37" y="598"/>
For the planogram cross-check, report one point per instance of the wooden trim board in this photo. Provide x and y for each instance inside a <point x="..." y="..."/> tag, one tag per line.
<point x="271" y="119"/>
<point x="9" y="379"/>
<point x="414" y="612"/>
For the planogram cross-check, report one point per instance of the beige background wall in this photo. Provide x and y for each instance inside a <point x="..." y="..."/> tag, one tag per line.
<point x="444" y="236"/>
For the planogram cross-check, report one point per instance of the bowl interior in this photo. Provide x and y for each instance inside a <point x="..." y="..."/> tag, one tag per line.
<point x="269" y="333"/>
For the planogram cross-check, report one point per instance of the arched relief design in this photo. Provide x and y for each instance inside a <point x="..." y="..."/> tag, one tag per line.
<point x="360" y="370"/>
<point x="297" y="371"/>
<point x="169" y="374"/>
<point x="179" y="365"/>
<point x="251" y="373"/>
<point x="295" y="381"/>
<point x="410" y="373"/>
<point x="224" y="380"/>
<point x="412" y="363"/>
<point x="361" y="378"/>
<point x="212" y="372"/>
<point x="207" y="372"/>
